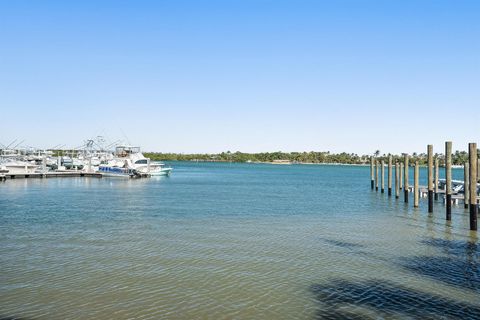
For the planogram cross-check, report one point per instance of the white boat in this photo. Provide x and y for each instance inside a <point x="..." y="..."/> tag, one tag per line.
<point x="128" y="160"/>
<point x="457" y="185"/>
<point x="113" y="171"/>
<point x="77" y="164"/>
<point x="159" y="169"/>
<point x="18" y="167"/>
<point x="9" y="153"/>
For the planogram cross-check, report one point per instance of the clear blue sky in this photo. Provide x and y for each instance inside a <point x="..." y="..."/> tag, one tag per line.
<point x="210" y="76"/>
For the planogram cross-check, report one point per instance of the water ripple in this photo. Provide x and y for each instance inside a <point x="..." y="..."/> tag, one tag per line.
<point x="230" y="241"/>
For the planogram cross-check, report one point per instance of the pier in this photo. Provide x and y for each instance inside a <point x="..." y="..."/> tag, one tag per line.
<point x="453" y="192"/>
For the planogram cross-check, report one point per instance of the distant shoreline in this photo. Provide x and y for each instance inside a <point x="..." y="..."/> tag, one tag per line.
<point x="301" y="163"/>
<point x="279" y="164"/>
<point x="312" y="157"/>
<point x="275" y="163"/>
<point x="312" y="163"/>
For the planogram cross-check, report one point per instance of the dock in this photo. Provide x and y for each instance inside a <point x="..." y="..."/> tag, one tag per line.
<point x="52" y="174"/>
<point x="453" y="191"/>
<point x="456" y="198"/>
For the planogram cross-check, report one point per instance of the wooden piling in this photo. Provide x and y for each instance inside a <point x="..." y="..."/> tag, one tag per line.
<point x="448" y="178"/>
<point x="405" y="178"/>
<point x="389" y="175"/>
<point x="401" y="176"/>
<point x="372" y="178"/>
<point x="382" y="163"/>
<point x="478" y="169"/>
<point x="466" y="184"/>
<point x="436" y="179"/>
<point x="397" y="180"/>
<point x="415" y="185"/>
<point x="473" y="163"/>
<point x="430" y="177"/>
<point x="376" y="175"/>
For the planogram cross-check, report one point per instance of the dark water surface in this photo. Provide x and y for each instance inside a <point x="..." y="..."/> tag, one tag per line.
<point x="225" y="241"/>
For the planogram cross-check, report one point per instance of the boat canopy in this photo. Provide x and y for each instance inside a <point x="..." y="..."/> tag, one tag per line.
<point x="123" y="151"/>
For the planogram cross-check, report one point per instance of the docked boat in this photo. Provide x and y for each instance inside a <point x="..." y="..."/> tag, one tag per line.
<point x="13" y="166"/>
<point x="457" y="185"/>
<point x="113" y="171"/>
<point x="159" y="169"/>
<point x="129" y="161"/>
<point x="9" y="154"/>
<point x="67" y="162"/>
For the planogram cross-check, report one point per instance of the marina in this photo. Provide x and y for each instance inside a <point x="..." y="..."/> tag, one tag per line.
<point x="124" y="162"/>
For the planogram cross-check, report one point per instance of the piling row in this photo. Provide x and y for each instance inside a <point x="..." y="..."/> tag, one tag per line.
<point x="401" y="180"/>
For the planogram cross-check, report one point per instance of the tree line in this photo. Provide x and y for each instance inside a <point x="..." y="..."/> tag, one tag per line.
<point x="458" y="157"/>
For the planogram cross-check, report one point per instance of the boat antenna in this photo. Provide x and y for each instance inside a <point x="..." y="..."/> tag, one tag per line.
<point x="112" y="144"/>
<point x="56" y="147"/>
<point x="11" y="144"/>
<point x="19" y="143"/>
<point x="125" y="136"/>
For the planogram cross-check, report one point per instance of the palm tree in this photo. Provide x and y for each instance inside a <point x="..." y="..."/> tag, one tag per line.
<point x="377" y="153"/>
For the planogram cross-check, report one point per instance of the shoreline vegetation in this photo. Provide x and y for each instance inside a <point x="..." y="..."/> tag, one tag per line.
<point x="312" y="157"/>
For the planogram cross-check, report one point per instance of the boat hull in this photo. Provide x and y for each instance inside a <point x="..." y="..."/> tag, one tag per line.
<point x="162" y="172"/>
<point x="107" y="171"/>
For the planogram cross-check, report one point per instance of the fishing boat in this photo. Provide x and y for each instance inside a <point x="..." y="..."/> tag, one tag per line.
<point x="13" y="166"/>
<point x="129" y="161"/>
<point x="113" y="171"/>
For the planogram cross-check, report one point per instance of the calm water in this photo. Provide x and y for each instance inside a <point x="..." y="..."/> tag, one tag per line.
<point x="231" y="241"/>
